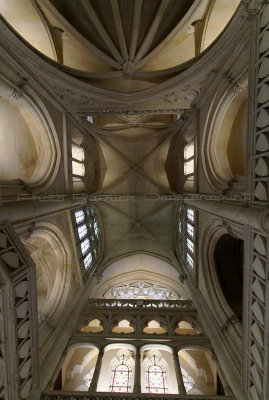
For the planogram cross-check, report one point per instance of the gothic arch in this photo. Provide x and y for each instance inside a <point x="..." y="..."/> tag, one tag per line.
<point x="147" y="319"/>
<point x="225" y="316"/>
<point x="140" y="266"/>
<point x="50" y="251"/>
<point x="190" y="320"/>
<point x="78" y="363"/>
<point x="218" y="16"/>
<point x="26" y="121"/>
<point x="197" y="364"/>
<point x="27" y="19"/>
<point x="127" y="317"/>
<point x="91" y="317"/>
<point x="225" y="132"/>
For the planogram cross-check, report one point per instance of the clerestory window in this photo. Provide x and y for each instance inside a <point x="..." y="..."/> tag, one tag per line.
<point x="87" y="234"/>
<point x="186" y="235"/>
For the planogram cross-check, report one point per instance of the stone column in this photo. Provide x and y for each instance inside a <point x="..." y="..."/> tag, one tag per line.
<point x="226" y="386"/>
<point x="23" y="211"/>
<point x="257" y="218"/>
<point x="137" y="378"/>
<point x="180" y="383"/>
<point x="57" y="370"/>
<point x="97" y="371"/>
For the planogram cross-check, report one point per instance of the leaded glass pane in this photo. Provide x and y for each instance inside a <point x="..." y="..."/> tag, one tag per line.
<point x="188" y="385"/>
<point x="190" y="260"/>
<point x="80" y="216"/>
<point x="121" y="377"/>
<point x="156" y="381"/>
<point x="82" y="231"/>
<point x="189" y="150"/>
<point x="78" y="168"/>
<point x="190" y="230"/>
<point x="190" y="214"/>
<point x="85" y="245"/>
<point x="87" y="260"/>
<point x="190" y="245"/>
<point x="189" y="167"/>
<point x="77" y="153"/>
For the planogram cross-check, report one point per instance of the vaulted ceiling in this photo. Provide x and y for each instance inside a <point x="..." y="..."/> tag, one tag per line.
<point x="120" y="61"/>
<point x="125" y="34"/>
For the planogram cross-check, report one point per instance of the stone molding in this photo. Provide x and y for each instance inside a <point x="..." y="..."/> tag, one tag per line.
<point x="126" y="396"/>
<point x="19" y="323"/>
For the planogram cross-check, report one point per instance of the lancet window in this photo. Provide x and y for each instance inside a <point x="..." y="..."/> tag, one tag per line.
<point x="87" y="234"/>
<point x="121" y="377"/>
<point x="189" y="164"/>
<point x="156" y="380"/>
<point x="78" y="167"/>
<point x="186" y="235"/>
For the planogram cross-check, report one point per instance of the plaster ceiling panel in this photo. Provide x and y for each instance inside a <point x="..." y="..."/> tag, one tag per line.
<point x="125" y="31"/>
<point x="154" y="166"/>
<point x="116" y="168"/>
<point x="172" y="15"/>
<point x="76" y="50"/>
<point x="134" y="183"/>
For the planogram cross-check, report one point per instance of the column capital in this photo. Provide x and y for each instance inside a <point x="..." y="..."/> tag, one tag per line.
<point x="175" y="351"/>
<point x="253" y="7"/>
<point x="101" y="349"/>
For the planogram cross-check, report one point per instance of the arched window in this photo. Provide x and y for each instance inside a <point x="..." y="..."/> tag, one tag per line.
<point x="189" y="166"/>
<point x="156" y="381"/>
<point x="121" y="377"/>
<point x="78" y="167"/>
<point x="186" y="234"/>
<point x="87" y="233"/>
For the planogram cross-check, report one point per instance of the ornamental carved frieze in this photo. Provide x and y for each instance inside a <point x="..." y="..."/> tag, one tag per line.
<point x="233" y="82"/>
<point x="17" y="91"/>
<point x="111" y="111"/>
<point x="190" y="93"/>
<point x="72" y="99"/>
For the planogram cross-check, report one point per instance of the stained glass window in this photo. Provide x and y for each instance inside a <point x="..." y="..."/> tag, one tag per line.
<point x="82" y="231"/>
<point x="121" y="377"/>
<point x="186" y="235"/>
<point x="87" y="235"/>
<point x="141" y="290"/>
<point x="80" y="216"/>
<point x="156" y="381"/>
<point x="188" y="385"/>
<point x="87" y="382"/>
<point x="190" y="214"/>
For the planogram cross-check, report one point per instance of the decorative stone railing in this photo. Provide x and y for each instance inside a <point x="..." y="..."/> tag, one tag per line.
<point x="126" y="396"/>
<point x="154" y="304"/>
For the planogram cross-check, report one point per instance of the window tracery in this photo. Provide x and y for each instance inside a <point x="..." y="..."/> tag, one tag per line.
<point x="121" y="377"/>
<point x="141" y="290"/>
<point x="156" y="380"/>
<point x="87" y="234"/>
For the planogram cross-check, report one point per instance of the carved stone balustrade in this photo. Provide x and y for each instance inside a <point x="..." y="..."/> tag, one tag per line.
<point x="125" y="396"/>
<point x="139" y="313"/>
<point x="146" y="304"/>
